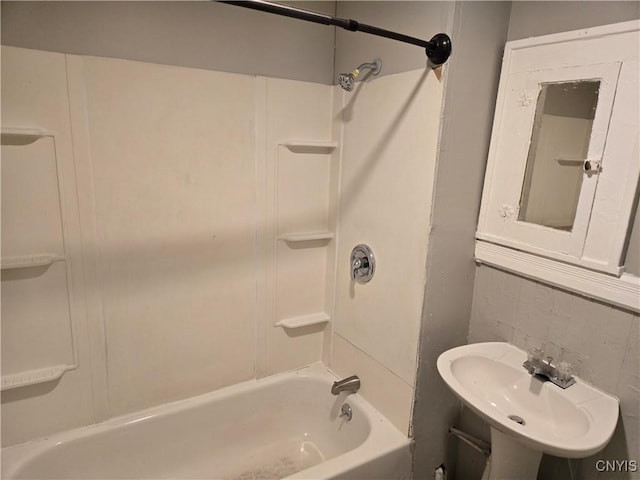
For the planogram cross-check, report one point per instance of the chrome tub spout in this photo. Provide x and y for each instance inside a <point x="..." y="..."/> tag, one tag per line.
<point x="349" y="384"/>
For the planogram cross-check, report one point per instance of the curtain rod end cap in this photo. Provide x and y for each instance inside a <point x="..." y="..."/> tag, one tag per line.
<point x="439" y="49"/>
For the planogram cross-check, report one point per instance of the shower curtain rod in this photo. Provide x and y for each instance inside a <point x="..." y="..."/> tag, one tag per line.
<point x="437" y="49"/>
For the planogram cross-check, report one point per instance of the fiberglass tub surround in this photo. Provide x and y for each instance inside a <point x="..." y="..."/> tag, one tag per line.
<point x="229" y="224"/>
<point x="284" y="426"/>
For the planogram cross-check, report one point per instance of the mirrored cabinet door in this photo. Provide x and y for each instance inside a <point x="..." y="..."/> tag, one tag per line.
<point x="553" y="167"/>
<point x="558" y="152"/>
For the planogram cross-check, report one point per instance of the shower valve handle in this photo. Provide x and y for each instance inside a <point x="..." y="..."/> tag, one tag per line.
<point x="359" y="267"/>
<point x="363" y="264"/>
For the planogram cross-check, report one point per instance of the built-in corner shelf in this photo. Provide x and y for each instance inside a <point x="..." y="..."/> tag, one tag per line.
<point x="303" y="320"/>
<point x="22" y="136"/>
<point x="301" y="238"/>
<point x="29" y="261"/>
<point x="32" y="377"/>
<point x="309" y="146"/>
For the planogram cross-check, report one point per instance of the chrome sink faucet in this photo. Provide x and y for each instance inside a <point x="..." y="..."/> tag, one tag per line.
<point x="559" y="375"/>
<point x="349" y="384"/>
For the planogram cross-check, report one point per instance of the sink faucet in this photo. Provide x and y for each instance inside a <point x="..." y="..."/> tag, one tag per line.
<point x="559" y="375"/>
<point x="349" y="384"/>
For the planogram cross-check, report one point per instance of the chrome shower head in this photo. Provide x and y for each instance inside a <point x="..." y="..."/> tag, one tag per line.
<point x="348" y="80"/>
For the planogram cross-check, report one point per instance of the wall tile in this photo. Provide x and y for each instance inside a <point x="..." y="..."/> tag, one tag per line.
<point x="628" y="391"/>
<point x="591" y="335"/>
<point x="498" y="316"/>
<point x="532" y="314"/>
<point x="602" y="343"/>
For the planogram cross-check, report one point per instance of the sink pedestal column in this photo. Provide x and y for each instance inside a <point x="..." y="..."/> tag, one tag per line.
<point x="510" y="459"/>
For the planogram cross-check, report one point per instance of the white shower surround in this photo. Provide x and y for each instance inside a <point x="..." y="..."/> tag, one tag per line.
<point x="186" y="195"/>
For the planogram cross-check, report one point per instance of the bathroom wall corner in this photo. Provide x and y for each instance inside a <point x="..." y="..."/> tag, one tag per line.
<point x="467" y="114"/>
<point x="300" y="199"/>
<point x="335" y="179"/>
<point x="387" y="392"/>
<point x="392" y="139"/>
<point x="264" y="308"/>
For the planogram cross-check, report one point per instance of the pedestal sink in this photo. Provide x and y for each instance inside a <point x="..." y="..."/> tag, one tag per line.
<point x="527" y="415"/>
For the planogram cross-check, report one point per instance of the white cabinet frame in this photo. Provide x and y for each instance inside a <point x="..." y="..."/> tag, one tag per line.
<point x="595" y="245"/>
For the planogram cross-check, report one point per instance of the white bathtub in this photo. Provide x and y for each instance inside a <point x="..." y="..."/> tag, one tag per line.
<point x="285" y="426"/>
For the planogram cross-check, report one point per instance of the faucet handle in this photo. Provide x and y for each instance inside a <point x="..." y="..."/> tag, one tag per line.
<point x="564" y="369"/>
<point x="536" y="354"/>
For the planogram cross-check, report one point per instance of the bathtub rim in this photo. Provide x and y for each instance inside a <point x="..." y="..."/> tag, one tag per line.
<point x="383" y="437"/>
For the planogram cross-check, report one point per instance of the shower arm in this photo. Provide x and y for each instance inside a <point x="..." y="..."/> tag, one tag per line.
<point x="373" y="66"/>
<point x="437" y="49"/>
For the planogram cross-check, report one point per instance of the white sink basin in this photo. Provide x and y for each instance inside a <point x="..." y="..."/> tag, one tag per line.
<point x="489" y="378"/>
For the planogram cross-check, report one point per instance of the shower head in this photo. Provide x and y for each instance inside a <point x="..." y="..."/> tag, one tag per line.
<point x="348" y="80"/>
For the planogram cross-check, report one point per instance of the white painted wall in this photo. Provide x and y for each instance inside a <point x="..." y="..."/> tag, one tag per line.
<point x="198" y="34"/>
<point x="535" y="18"/>
<point x="421" y="19"/>
<point x="470" y="93"/>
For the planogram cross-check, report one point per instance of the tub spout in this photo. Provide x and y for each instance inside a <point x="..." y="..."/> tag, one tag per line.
<point x="349" y="384"/>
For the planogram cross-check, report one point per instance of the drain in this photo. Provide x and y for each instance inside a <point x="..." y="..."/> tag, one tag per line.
<point x="517" y="419"/>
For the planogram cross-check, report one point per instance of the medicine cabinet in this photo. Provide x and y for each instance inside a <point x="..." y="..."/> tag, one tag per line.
<point x="563" y="166"/>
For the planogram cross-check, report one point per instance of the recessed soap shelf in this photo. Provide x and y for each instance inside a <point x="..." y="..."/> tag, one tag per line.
<point x="306" y="237"/>
<point x="309" y="146"/>
<point x="23" y="136"/>
<point x="32" y="377"/>
<point x="303" y="320"/>
<point x="29" y="261"/>
<point x="320" y="161"/>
